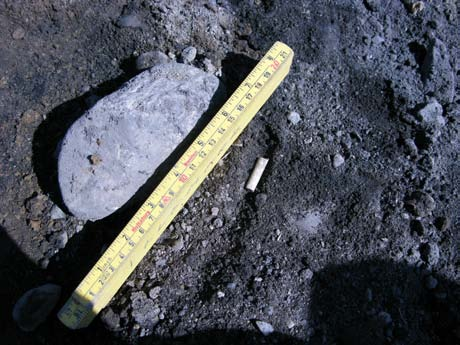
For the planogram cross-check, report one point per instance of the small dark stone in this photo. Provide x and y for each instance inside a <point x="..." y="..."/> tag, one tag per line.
<point x="442" y="223"/>
<point x="110" y="319"/>
<point x="416" y="227"/>
<point x="429" y="253"/>
<point x="35" y="305"/>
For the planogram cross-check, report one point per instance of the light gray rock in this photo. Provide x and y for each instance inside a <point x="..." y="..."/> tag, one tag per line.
<point x="188" y="54"/>
<point x="56" y="213"/>
<point x="431" y="113"/>
<point x="264" y="327"/>
<point x="337" y="160"/>
<point x="111" y="151"/>
<point x="35" y="305"/>
<point x="437" y="72"/>
<point x="294" y="117"/>
<point x="150" y="59"/>
<point x="144" y="311"/>
<point x="129" y="21"/>
<point x="307" y="274"/>
<point x="154" y="292"/>
<point x="309" y="222"/>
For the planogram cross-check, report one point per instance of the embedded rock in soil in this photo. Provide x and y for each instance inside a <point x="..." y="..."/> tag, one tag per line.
<point x="150" y="59"/>
<point x="35" y="305"/>
<point x="111" y="151"/>
<point x="437" y="73"/>
<point x="144" y="311"/>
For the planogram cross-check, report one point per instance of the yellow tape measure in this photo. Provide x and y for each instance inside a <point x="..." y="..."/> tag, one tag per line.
<point x="137" y="237"/>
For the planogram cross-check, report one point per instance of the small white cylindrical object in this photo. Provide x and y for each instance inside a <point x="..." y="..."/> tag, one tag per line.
<point x="256" y="173"/>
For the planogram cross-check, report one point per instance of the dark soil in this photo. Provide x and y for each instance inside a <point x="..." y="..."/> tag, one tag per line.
<point x="389" y="216"/>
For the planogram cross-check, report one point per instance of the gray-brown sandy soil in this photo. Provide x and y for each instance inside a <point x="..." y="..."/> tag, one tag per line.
<point x="352" y="236"/>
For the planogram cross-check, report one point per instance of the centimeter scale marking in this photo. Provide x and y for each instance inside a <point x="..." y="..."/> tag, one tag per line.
<point x="145" y="227"/>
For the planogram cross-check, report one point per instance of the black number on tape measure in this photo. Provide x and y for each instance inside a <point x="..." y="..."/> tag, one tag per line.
<point x="269" y="57"/>
<point x="211" y="142"/>
<point x="240" y="107"/>
<point x="221" y="130"/>
<point x="258" y="85"/>
<point x="224" y="113"/>
<point x="283" y="54"/>
<point x="231" y="119"/>
<point x="131" y="243"/>
<point x="200" y="142"/>
<point x="141" y="230"/>
<point x="248" y="96"/>
<point x="267" y="74"/>
<point x="202" y="154"/>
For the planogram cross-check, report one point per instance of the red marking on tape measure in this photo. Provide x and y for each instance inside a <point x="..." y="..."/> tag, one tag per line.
<point x="183" y="178"/>
<point x="190" y="159"/>
<point x="275" y="64"/>
<point x="140" y="221"/>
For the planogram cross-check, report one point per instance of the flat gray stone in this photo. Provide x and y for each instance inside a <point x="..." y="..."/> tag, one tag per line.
<point x="111" y="151"/>
<point x="35" y="305"/>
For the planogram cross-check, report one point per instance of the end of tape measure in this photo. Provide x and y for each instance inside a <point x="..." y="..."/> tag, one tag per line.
<point x="77" y="313"/>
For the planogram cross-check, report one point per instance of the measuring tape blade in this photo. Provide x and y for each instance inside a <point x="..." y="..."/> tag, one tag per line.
<point x="110" y="272"/>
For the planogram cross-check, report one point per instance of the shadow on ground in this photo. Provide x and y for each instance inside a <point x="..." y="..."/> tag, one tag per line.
<point x="366" y="302"/>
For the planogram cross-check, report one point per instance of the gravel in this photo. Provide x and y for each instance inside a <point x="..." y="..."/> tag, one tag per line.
<point x="144" y="311"/>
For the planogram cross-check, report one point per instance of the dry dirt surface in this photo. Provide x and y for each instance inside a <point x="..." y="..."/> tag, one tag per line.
<point x="352" y="236"/>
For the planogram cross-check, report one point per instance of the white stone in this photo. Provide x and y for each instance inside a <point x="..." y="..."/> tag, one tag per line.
<point x="111" y="151"/>
<point x="294" y="117"/>
<point x="264" y="327"/>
